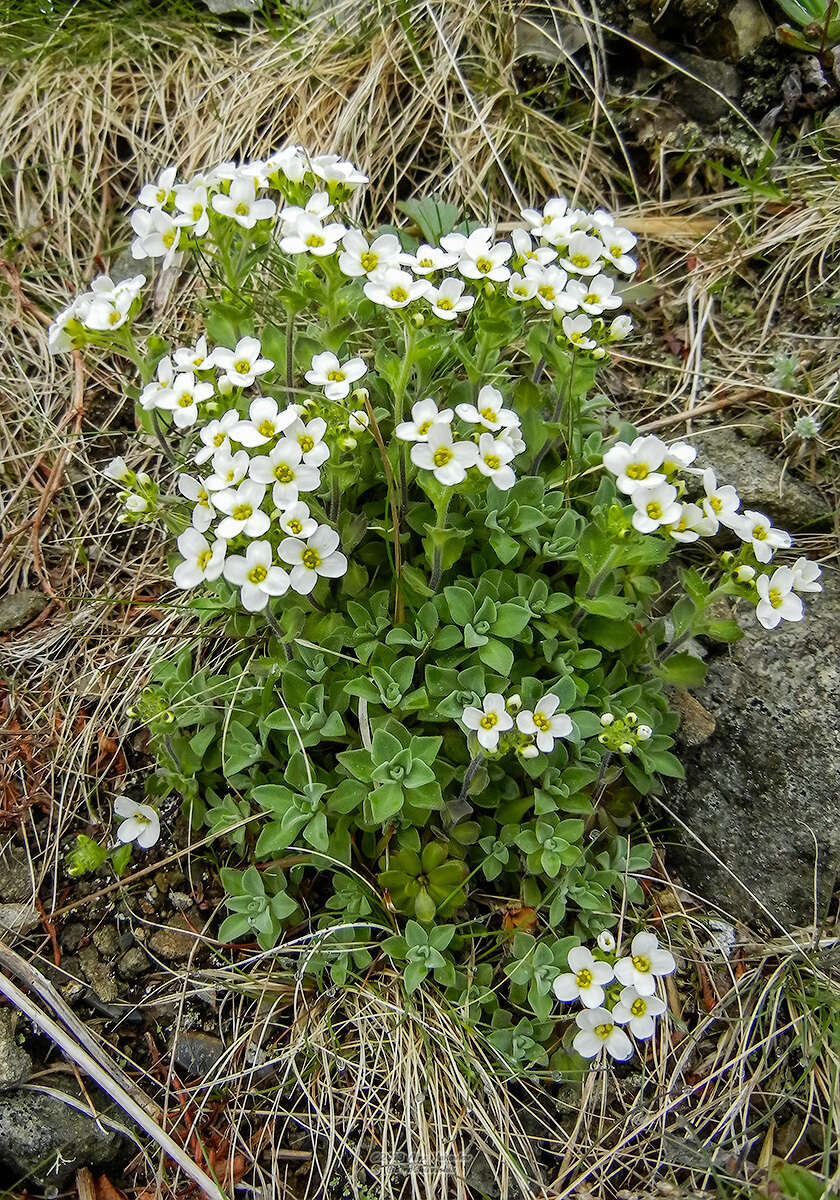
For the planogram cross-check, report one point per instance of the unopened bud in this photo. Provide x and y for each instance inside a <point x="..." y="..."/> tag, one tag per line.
<point x="358" y="420"/>
<point x="606" y="942"/>
<point x="347" y="442"/>
<point x="644" y="733"/>
<point x="513" y="703"/>
<point x="607" y="719"/>
<point x="225" y="386"/>
<point x="118" y="471"/>
<point x="419" y="320"/>
<point x="529" y="751"/>
<point x="745" y="573"/>
<point x="631" y="718"/>
<point x="626" y="748"/>
<point x="599" y="352"/>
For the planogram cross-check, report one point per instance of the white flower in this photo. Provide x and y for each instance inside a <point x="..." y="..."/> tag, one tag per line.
<point x="553" y="223"/>
<point x="317" y="556"/>
<point x="309" y="236"/>
<point x="644" y="733"/>
<point x="228" y="469"/>
<point x="636" y="464"/>
<point x="599" y="1030"/>
<point x="654" y="507"/>
<point x="296" y="521"/>
<point x="468" y="244"/>
<point x="513" y="436"/>
<point x="645" y="962"/>
<point x="595" y="295"/>
<point x="183" y="397"/>
<point x="265" y="422"/>
<point x="242" y="506"/>
<point x="284" y="467"/>
<point x="137" y="504"/>
<point x="520" y="288"/>
<point x="201" y="560"/>
<point x="617" y="242"/>
<point x="692" y="525"/>
<point x="333" y="169"/>
<point x="241" y="204"/>
<point x="545" y="723"/>
<point x="198" y="492"/>
<point x="291" y="161"/>
<point x="256" y="576"/>
<point x="446" y="459"/>
<point x="157" y="234"/>
<point x="489" y="721"/>
<point x="576" y="329"/>
<point x="395" y="288"/>
<point x="192" y="202"/>
<point x="333" y="376"/>
<point x="489" y="410"/>
<point x="584" y="255"/>
<point x="428" y="258"/>
<point x="109" y="310"/>
<point x="310" y="438"/>
<point x="487" y="262"/>
<point x="585" y="979"/>
<point x="153" y="390"/>
<point x="154" y="195"/>
<point x="551" y="287"/>
<point x="620" y="328"/>
<point x="358" y="421"/>
<point x="805" y="576"/>
<point x="777" y="599"/>
<point x="720" y="504"/>
<point x="424" y="414"/>
<point x="318" y="205"/>
<point x="755" y="528"/>
<point x="494" y="454"/>
<point x="678" y="456"/>
<point x="140" y="824"/>
<point x="119" y="473"/>
<point x="362" y="258"/>
<point x="637" y="1012"/>
<point x="215" y="436"/>
<point x="525" y="249"/>
<point x="58" y="340"/>
<point x="606" y="942"/>
<point x="448" y="300"/>
<point x="242" y="364"/>
<point x="192" y="358"/>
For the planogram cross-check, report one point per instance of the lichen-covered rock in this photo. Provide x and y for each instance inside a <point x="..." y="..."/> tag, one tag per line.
<point x="762" y="793"/>
<point x="15" y="1063"/>
<point x="19" y="608"/>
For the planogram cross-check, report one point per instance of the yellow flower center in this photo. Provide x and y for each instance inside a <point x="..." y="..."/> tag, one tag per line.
<point x="425" y="262"/>
<point x="581" y="260"/>
<point x="493" y="461"/>
<point x="368" y="260"/>
<point x="336" y="376"/>
<point x="266" y="428"/>
<point x="242" y="512"/>
<point x="398" y="293"/>
<point x="445" y="304"/>
<point x="425" y="427"/>
<point x="314" y="239"/>
<point x="546" y="291"/>
<point x="489" y="720"/>
<point x="637" y="471"/>
<point x="241" y="210"/>
<point x="616" y="251"/>
<point x="113" y="317"/>
<point x="160" y="195"/>
<point x="489" y="414"/>
<point x="603" y="1031"/>
<point x="715" y="503"/>
<point x="484" y="265"/>
<point x="197" y="210"/>
<point x="542" y="722"/>
<point x="775" y="597"/>
<point x="306" y="442"/>
<point x="294" y="525"/>
<point x="219" y="437"/>
<point x="583" y="979"/>
<point x="311" y="559"/>
<point x="638" y="1008"/>
<point x="202" y="496"/>
<point x="759" y="533"/>
<point x="520" y="290"/>
<point x="654" y="510"/>
<point x="577" y="336"/>
<point x="591" y="298"/>
<point x="203" y="559"/>
<point x="283" y="473"/>
<point x="242" y="366"/>
<point x="168" y="238"/>
<point x="185" y="400"/>
<point x="257" y="574"/>
<point x="641" y="963"/>
<point x="441" y="456"/>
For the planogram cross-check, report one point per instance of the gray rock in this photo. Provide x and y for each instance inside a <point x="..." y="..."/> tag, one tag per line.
<point x="703" y="88"/>
<point x="107" y="941"/>
<point x="16" y="882"/>
<point x="17" y="919"/>
<point x="45" y="1140"/>
<point x="133" y="963"/>
<point x="99" y="975"/>
<point x="19" y="608"/>
<point x="15" y="1063"/>
<point x="196" y="1054"/>
<point x="762" y="792"/>
<point x="741" y="31"/>
<point x="220" y="7"/>
<point x="177" y="938"/>
<point x="759" y="480"/>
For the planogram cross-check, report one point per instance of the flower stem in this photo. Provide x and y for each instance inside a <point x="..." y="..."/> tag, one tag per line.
<point x="290" y="357"/>
<point x="399" y="403"/>
<point x="595" y="586"/>
<point x="437" y="554"/>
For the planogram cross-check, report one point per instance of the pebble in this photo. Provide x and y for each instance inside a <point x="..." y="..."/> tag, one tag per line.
<point x="15" y="1063"/>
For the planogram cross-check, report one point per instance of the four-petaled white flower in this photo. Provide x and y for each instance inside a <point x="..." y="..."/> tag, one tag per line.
<point x="494" y="455"/>
<point x="489" y="721"/>
<point x="521" y="288"/>
<point x="395" y="288"/>
<point x="525" y="249"/>
<point x="553" y="223"/>
<point x="192" y="358"/>
<point x="118" y="472"/>
<point x="428" y="258"/>
<point x="308" y="235"/>
<point x="637" y="1012"/>
<point x="215" y="436"/>
<point x="424" y="414"/>
<point x="228" y="469"/>
<point x="311" y="559"/>
<point x="584" y="255"/>
<point x="183" y="397"/>
<point x="154" y="195"/>
<point x="486" y="262"/>
<point x="333" y="376"/>
<point x="191" y="202"/>
<point x="617" y="242"/>
<point x="242" y="205"/>
<point x="636" y="464"/>
<point x="805" y="575"/>
<point x="265" y="422"/>
<point x="242" y="506"/>
<point x="551" y="287"/>
<point x="692" y="524"/>
<point x="584" y="980"/>
<point x="241" y="365"/>
<point x="777" y="599"/>
<point x="576" y="329"/>
<point x="360" y="257"/>
<point x="599" y="1030"/>
<point x="755" y="528"/>
<point x="295" y="521"/>
<point x="720" y="504"/>
<point x="489" y="410"/>
<point x="545" y="723"/>
<point x="284" y="467"/>
<point x="645" y="962"/>
<point x="655" y="506"/>
<point x="595" y="295"/>
<point x="140" y="822"/>
<point x="310" y="438"/>
<point x="158" y="234"/>
<point x="448" y="460"/>
<point x="334" y="169"/>
<point x="256" y="576"/>
<point x="201" y="560"/>
<point x="198" y="492"/>
<point x="449" y="300"/>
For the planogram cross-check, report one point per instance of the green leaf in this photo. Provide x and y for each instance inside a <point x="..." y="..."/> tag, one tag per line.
<point x="434" y="217"/>
<point x="358" y="762"/>
<point x="683" y="670"/>
<point x="460" y="603"/>
<point x="511" y="619"/>
<point x="240" y="749"/>
<point x="385" y="802"/>
<point x="316" y="834"/>
<point x="497" y="656"/>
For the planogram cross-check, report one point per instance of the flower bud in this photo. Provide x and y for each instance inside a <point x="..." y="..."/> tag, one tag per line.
<point x="727" y="558"/>
<point x="419" y="320"/>
<point x="599" y="352"/>
<point x="488" y="288"/>
<point x="530" y="751"/>
<point x="347" y="443"/>
<point x="607" y="719"/>
<point x="745" y="573"/>
<point x="606" y="942"/>
<point x="620" y="328"/>
<point x="143" y="479"/>
<point x="118" y="471"/>
<point x="644" y="733"/>
<point x="136" y="504"/>
<point x="602" y="738"/>
<point x="358" y="420"/>
<point x="626" y="748"/>
<point x="225" y="386"/>
<point x="631" y="718"/>
<point x="513" y="703"/>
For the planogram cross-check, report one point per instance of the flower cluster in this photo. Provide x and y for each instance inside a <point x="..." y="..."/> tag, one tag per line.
<point x="104" y="309"/>
<point x="527" y="731"/>
<point x="649" y="472"/>
<point x="623" y="734"/>
<point x="618" y="994"/>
